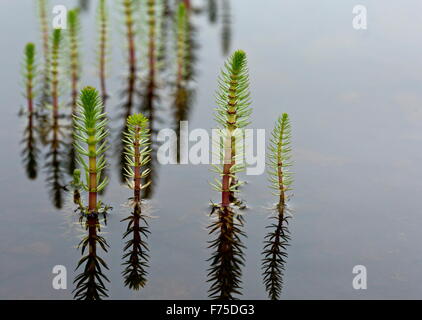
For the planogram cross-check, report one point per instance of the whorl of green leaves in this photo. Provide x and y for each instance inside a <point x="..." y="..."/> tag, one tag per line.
<point x="30" y="70"/>
<point x="233" y="98"/>
<point x="42" y="11"/>
<point x="280" y="156"/>
<point x="90" y="124"/>
<point x="30" y="56"/>
<point x="136" y="250"/>
<point x="137" y="141"/>
<point x="74" y="30"/>
<point x="232" y="114"/>
<point x="182" y="43"/>
<point x="55" y="59"/>
<point x="151" y="13"/>
<point x="57" y="38"/>
<point x="162" y="30"/>
<point x="129" y="7"/>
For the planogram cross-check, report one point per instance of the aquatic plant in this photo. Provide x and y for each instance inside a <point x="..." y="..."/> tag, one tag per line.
<point x="30" y="151"/>
<point x="150" y="84"/>
<point x="43" y="17"/>
<point x="91" y="143"/>
<point x="74" y="71"/>
<point x="90" y="130"/>
<point x="162" y="23"/>
<point x="130" y="89"/>
<point x="129" y="21"/>
<point x="74" y="56"/>
<point x="183" y="92"/>
<point x="276" y="242"/>
<point x="54" y="133"/>
<point x="55" y="61"/>
<point x="54" y="160"/>
<point x="29" y="74"/>
<point x="137" y="145"/>
<point x="232" y="114"/>
<point x="187" y="4"/>
<point x="77" y="186"/>
<point x="138" y="151"/>
<point x="182" y="43"/>
<point x="90" y="284"/>
<point x="44" y="101"/>
<point x="84" y="5"/>
<point x="103" y="31"/>
<point x="151" y="20"/>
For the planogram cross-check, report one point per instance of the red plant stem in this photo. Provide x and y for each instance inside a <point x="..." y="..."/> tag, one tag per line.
<point x="137" y="168"/>
<point x="280" y="171"/>
<point x="92" y="206"/>
<point x="187" y="4"/>
<point x="30" y="99"/>
<point x="280" y="180"/>
<point x="74" y="90"/>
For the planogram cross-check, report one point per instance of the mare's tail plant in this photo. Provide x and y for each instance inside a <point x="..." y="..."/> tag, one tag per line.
<point x="74" y="70"/>
<point x="129" y="21"/>
<point x="137" y="144"/>
<point x="43" y="18"/>
<point x="91" y="143"/>
<point x="74" y="55"/>
<point x="186" y="44"/>
<point x="30" y="151"/>
<point x="54" y="134"/>
<point x="232" y="115"/>
<point x="29" y="74"/>
<point x="44" y="101"/>
<point x="276" y="241"/>
<point x="103" y="41"/>
<point x="55" y="64"/>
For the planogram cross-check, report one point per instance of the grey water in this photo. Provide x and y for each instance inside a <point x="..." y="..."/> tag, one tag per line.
<point x="355" y="104"/>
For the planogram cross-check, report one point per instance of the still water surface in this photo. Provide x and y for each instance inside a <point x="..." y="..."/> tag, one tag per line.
<point x="354" y="100"/>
